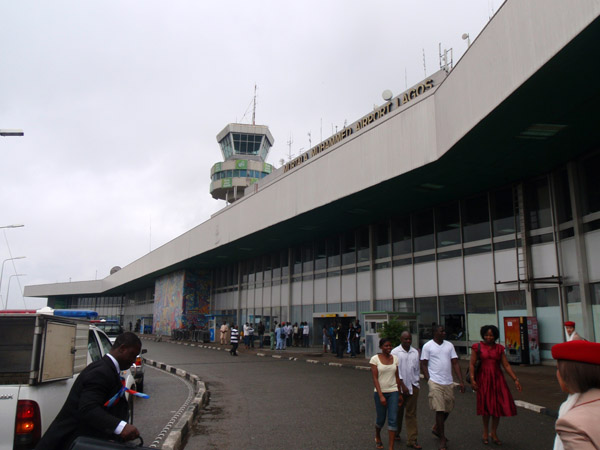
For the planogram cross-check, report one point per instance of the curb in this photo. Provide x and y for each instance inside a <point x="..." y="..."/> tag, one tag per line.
<point x="178" y="432"/>
<point x="519" y="403"/>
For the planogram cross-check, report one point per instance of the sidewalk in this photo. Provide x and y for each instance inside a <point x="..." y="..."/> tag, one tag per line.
<point x="541" y="392"/>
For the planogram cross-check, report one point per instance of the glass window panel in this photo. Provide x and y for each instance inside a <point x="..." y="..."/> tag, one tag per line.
<point x="538" y="203"/>
<point x="508" y="300"/>
<point x="333" y="251"/>
<point x="447" y="224"/>
<point x="427" y="310"/>
<point x="563" y="197"/>
<point x="545" y="297"/>
<point x="348" y="248"/>
<point x="595" y="289"/>
<point x="285" y="270"/>
<point x="403" y="305"/>
<point x="482" y="303"/>
<point x="320" y="254"/>
<point x="573" y="294"/>
<point x="307" y="257"/>
<point x="422" y="226"/>
<point x="590" y="191"/>
<point x="93" y="347"/>
<point x="297" y="260"/>
<point x="362" y="236"/>
<point x="503" y="212"/>
<point x="382" y="240"/>
<point x="475" y="218"/>
<point x="401" y="238"/>
<point x="452" y="314"/>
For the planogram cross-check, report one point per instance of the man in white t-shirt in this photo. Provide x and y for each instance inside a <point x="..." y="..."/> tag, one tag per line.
<point x="438" y="359"/>
<point x="408" y="371"/>
<point x="305" y="335"/>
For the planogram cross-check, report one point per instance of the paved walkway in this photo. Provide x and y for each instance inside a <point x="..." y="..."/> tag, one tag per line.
<point x="541" y="392"/>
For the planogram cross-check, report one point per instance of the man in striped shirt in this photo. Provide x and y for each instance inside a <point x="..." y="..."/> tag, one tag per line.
<point x="234" y="338"/>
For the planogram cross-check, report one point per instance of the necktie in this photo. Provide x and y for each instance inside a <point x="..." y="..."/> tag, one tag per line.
<point x="115" y="398"/>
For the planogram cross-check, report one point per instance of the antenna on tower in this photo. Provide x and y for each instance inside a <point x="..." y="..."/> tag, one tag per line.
<point x="289" y="143"/>
<point x="309" y="140"/>
<point x="254" y="107"/>
<point x="424" y="66"/>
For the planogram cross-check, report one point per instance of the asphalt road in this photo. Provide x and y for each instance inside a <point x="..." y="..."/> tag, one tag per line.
<point x="168" y="394"/>
<point x="267" y="403"/>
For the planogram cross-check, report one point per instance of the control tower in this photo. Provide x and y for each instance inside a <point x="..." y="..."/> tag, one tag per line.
<point x="244" y="148"/>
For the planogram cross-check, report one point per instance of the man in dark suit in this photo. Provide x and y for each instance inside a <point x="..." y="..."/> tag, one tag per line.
<point x="88" y="410"/>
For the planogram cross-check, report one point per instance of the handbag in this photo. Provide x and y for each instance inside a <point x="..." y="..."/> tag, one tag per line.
<point x="477" y="364"/>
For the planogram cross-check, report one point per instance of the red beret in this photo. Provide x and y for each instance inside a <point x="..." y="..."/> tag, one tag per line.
<point x="569" y="324"/>
<point x="581" y="351"/>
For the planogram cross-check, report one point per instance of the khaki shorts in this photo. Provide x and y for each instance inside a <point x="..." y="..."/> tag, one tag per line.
<point x="441" y="397"/>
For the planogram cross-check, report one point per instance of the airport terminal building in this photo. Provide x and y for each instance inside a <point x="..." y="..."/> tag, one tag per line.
<point x="471" y="197"/>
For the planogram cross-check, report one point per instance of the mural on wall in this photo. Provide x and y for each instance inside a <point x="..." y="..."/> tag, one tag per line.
<point x="168" y="304"/>
<point x="196" y="299"/>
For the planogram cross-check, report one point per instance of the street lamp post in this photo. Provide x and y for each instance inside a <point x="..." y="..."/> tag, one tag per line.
<point x="8" y="289"/>
<point x="2" y="271"/>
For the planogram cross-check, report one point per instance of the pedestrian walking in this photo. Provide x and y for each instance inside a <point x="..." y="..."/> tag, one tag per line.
<point x="578" y="375"/>
<point x="245" y="335"/>
<point x="438" y="360"/>
<point x="331" y="330"/>
<point x="351" y="338"/>
<point x="261" y="334"/>
<point x="493" y="396"/>
<point x="408" y="372"/>
<point x="384" y="371"/>
<point x="339" y="340"/>
<point x="272" y="339"/>
<point x="223" y="333"/>
<point x="305" y="335"/>
<point x="235" y="340"/>
<point x="250" y="331"/>
<point x="280" y="334"/>
<point x="325" y="339"/>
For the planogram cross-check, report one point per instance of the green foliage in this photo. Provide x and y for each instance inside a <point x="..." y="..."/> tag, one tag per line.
<point x="393" y="330"/>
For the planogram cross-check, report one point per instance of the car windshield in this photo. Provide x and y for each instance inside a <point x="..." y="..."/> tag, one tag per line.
<point x="111" y="329"/>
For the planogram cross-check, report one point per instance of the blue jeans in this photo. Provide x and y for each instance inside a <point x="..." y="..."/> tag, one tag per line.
<point x="391" y="409"/>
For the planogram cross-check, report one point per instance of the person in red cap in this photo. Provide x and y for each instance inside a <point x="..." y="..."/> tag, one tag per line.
<point x="570" y="333"/>
<point x="578" y="374"/>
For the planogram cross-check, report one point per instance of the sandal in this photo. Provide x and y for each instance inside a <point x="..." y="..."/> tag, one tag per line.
<point x="415" y="445"/>
<point x="496" y="441"/>
<point x="378" y="444"/>
<point x="436" y="434"/>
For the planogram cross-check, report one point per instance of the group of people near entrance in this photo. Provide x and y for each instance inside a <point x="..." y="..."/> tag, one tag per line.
<point x="396" y="374"/>
<point x="287" y="335"/>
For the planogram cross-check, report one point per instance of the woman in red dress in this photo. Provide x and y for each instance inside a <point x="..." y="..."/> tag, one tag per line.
<point x="493" y="397"/>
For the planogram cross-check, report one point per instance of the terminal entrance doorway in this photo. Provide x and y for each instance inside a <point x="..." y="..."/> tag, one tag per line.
<point x="321" y="320"/>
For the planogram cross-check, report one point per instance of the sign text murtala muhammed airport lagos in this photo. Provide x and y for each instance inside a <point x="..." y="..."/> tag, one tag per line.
<point x="395" y="103"/>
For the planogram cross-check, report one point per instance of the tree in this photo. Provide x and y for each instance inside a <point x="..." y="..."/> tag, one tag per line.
<point x="392" y="330"/>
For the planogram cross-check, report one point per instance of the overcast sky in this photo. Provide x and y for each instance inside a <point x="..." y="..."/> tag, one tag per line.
<point x="121" y="102"/>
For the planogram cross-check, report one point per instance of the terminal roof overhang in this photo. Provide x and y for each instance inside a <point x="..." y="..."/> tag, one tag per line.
<point x="495" y="152"/>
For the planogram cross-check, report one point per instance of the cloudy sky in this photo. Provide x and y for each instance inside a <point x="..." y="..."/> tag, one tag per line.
<point x="121" y="101"/>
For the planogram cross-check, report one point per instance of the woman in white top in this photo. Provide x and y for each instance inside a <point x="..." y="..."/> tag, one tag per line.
<point x="384" y="369"/>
